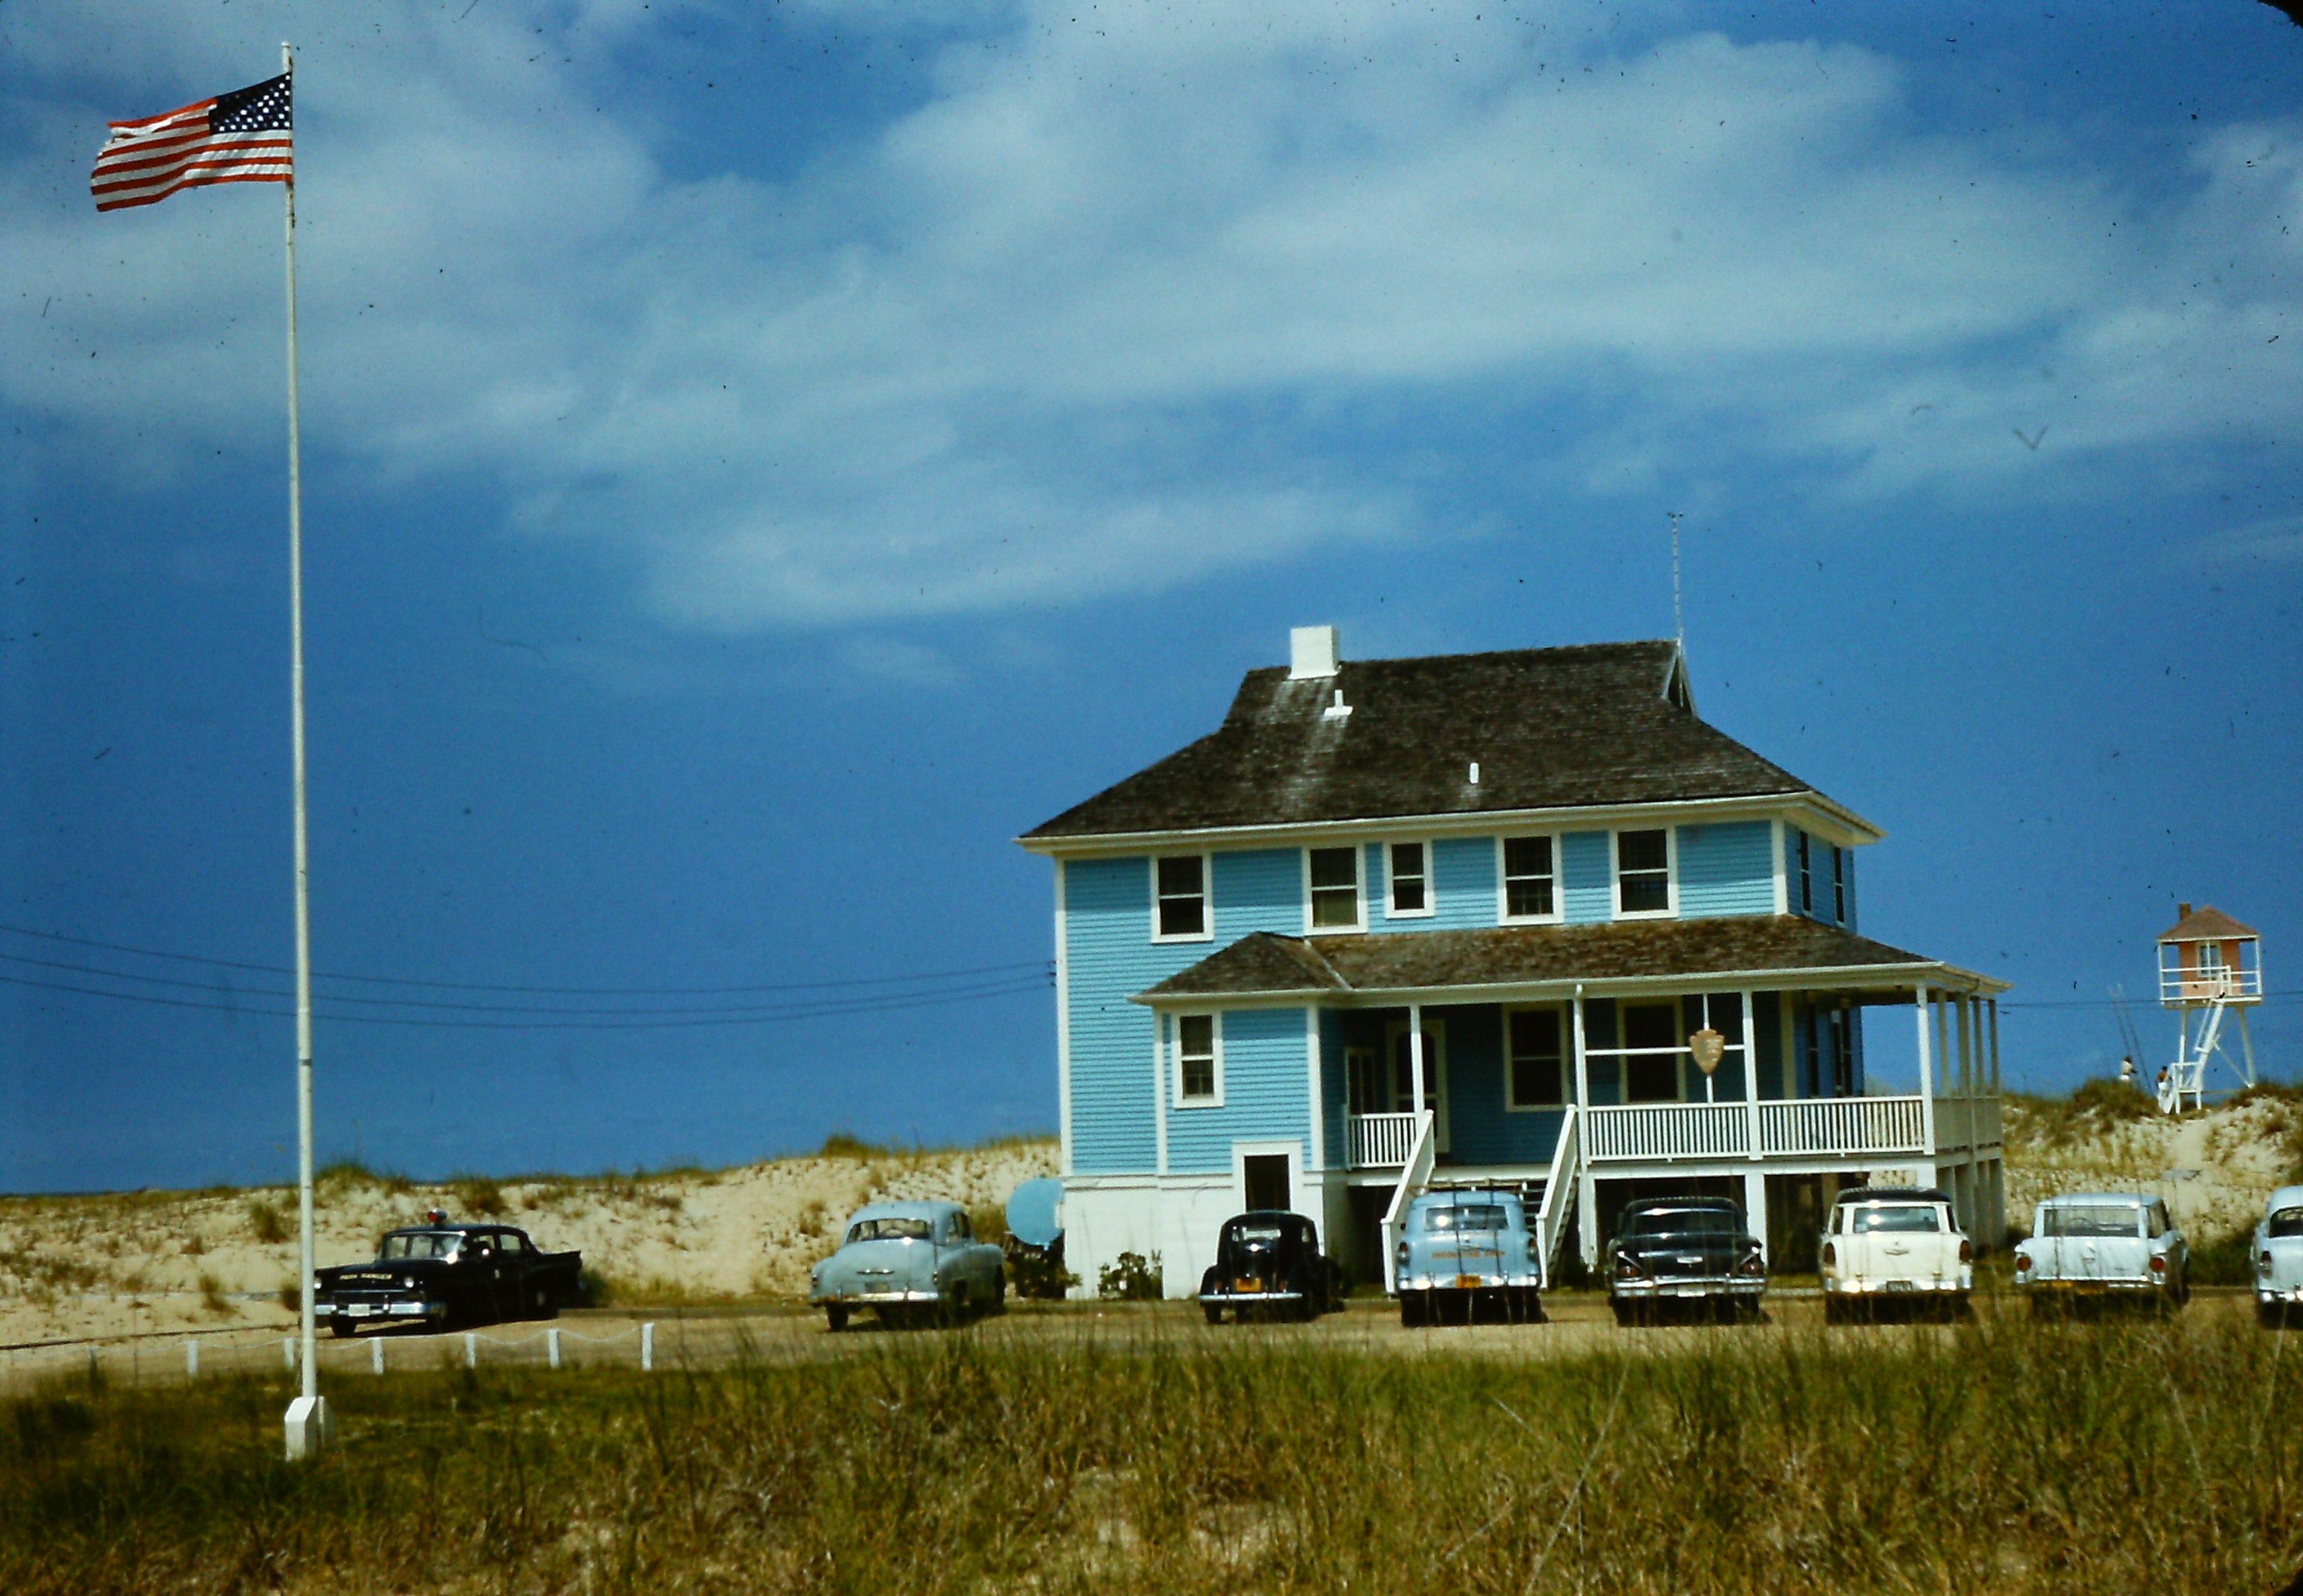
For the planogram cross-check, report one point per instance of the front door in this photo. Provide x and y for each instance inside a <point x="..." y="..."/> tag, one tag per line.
<point x="1435" y="1076"/>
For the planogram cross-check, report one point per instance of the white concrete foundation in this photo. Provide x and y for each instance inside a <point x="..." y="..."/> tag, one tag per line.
<point x="311" y="1428"/>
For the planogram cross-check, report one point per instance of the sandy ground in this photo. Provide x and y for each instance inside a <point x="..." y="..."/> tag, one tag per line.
<point x="153" y="1269"/>
<point x="2215" y="1168"/>
<point x="1577" y="1323"/>
<point x="216" y="1262"/>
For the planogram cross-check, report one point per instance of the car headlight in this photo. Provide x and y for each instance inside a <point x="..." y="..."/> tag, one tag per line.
<point x="1627" y="1268"/>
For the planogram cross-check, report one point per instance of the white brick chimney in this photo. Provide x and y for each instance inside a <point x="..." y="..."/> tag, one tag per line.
<point x="1311" y="652"/>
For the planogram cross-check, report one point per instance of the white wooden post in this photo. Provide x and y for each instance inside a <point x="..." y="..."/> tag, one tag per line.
<point x="647" y="1348"/>
<point x="552" y="1345"/>
<point x="1415" y="1052"/>
<point x="376" y="1355"/>
<point x="471" y="1350"/>
<point x="1927" y="1079"/>
<point x="192" y="1360"/>
<point x="1996" y="1088"/>
<point x="288" y="1353"/>
<point x="1586" y="1185"/>
<point x="1751" y="1077"/>
<point x="1755" y="1207"/>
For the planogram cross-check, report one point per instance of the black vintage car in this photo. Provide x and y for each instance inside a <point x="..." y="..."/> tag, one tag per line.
<point x="440" y="1274"/>
<point x="1270" y="1262"/>
<point x="1691" y="1252"/>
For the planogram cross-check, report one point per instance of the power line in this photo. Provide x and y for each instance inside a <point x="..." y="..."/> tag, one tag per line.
<point x="574" y="992"/>
<point x="1040" y="979"/>
<point x="831" y="1007"/>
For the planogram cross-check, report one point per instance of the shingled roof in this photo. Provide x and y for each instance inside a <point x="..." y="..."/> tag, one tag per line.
<point x="1264" y="964"/>
<point x="1549" y="728"/>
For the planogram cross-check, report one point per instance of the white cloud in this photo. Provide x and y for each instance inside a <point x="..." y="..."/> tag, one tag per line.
<point x="1075" y="324"/>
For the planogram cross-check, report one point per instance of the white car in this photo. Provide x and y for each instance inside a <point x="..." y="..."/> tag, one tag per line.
<point x="2279" y="1257"/>
<point x="2103" y="1245"/>
<point x="1894" y="1246"/>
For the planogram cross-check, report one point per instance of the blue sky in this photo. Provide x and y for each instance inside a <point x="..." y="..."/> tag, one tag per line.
<point x="760" y="460"/>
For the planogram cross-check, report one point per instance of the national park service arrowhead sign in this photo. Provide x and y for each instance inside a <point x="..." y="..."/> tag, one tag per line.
<point x="1710" y="1047"/>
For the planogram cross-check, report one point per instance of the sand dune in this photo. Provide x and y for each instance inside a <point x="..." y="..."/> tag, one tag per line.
<point x="145" y="1262"/>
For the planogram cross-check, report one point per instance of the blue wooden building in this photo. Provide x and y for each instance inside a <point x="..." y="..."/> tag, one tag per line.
<point x="1484" y="917"/>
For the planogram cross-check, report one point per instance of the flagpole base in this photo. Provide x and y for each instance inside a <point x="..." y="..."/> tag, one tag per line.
<point x="311" y="1428"/>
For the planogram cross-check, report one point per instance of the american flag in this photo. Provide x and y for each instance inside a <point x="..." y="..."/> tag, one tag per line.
<point x="245" y="137"/>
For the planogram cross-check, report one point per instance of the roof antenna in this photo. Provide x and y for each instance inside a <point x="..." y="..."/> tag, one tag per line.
<point x="1678" y="626"/>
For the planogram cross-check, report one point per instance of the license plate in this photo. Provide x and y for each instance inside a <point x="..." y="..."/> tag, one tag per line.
<point x="1691" y="1291"/>
<point x="2091" y="1288"/>
<point x="1468" y="1282"/>
<point x="358" y="1311"/>
<point x="1903" y="1285"/>
<point x="1250" y="1283"/>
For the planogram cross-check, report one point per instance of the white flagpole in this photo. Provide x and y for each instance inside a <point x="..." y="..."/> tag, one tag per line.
<point x="308" y="1424"/>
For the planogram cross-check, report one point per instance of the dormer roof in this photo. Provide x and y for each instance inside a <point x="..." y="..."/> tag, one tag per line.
<point x="1532" y="728"/>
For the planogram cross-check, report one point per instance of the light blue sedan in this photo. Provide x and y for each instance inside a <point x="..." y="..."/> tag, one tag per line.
<point x="908" y="1261"/>
<point x="2279" y="1257"/>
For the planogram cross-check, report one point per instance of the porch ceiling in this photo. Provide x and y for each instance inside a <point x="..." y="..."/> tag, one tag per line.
<point x="1778" y="949"/>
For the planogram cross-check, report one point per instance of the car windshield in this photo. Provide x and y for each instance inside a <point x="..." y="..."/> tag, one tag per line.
<point x="1483" y="1216"/>
<point x="889" y="1228"/>
<point x="1685" y="1221"/>
<point x="1267" y="1230"/>
<point x="421" y="1244"/>
<point x="2092" y="1219"/>
<point x="2287" y="1222"/>
<point x="1897" y="1216"/>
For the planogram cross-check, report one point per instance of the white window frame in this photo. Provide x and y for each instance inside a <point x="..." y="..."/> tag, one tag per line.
<point x="1566" y="1059"/>
<point x="1804" y="855"/>
<point x="1670" y="868"/>
<point x="1359" y="887"/>
<point x="1207" y="932"/>
<point x="1391" y="911"/>
<point x="1214" y="1016"/>
<point x="1838" y="885"/>
<point x="1504" y="917"/>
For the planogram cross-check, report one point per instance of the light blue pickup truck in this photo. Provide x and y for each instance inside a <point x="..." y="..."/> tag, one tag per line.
<point x="1463" y="1248"/>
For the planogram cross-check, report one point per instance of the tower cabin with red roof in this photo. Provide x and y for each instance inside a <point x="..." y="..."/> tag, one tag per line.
<point x="2210" y="967"/>
<point x="1484" y="918"/>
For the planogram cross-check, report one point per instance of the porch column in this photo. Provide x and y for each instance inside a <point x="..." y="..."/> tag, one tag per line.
<point x="1927" y="1078"/>
<point x="1587" y="1186"/>
<point x="1755" y="1209"/>
<point x="1415" y="1053"/>
<point x="1996" y="1088"/>
<point x="1967" y="1070"/>
<point x="1750" y="1077"/>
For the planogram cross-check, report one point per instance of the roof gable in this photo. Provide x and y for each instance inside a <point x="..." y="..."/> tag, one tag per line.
<point x="1547" y="728"/>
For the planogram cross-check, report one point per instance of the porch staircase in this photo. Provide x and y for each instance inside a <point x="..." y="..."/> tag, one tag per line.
<point x="1550" y="1200"/>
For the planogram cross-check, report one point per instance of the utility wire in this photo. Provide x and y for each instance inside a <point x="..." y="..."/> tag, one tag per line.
<point x="1042" y="975"/>
<point x="577" y="992"/>
<point x="830" y="1008"/>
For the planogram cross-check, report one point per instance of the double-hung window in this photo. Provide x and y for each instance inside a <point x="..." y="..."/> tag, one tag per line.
<point x="1643" y="873"/>
<point x="1410" y="879"/>
<point x="1839" y="885"/>
<point x="1538" y="1076"/>
<point x="1199" y="1061"/>
<point x="1806" y="877"/>
<point x="1335" y="876"/>
<point x="1530" y="876"/>
<point x="1651" y="1052"/>
<point x="1180" y="912"/>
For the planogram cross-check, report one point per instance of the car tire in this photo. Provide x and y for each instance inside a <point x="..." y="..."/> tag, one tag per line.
<point x="956" y="1306"/>
<point x="835" y="1317"/>
<point x="1213" y="1310"/>
<point x="1627" y="1315"/>
<point x="999" y="1291"/>
<point x="1415" y="1310"/>
<point x="338" y="1325"/>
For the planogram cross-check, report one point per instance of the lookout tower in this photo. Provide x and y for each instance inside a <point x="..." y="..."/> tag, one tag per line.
<point x="2211" y="964"/>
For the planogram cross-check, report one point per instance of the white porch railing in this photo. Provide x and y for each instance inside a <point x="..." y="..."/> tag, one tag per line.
<point x="1414" y="1171"/>
<point x="1812" y="1127"/>
<point x="1655" y="1132"/>
<point x="1558" y="1193"/>
<point x="1382" y="1141"/>
<point x="1847" y="1126"/>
